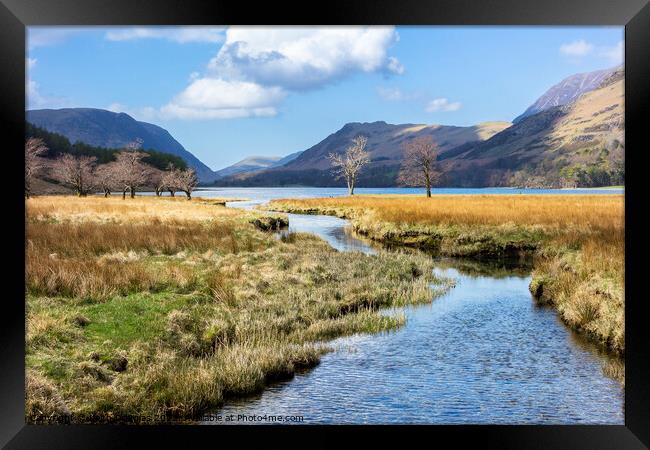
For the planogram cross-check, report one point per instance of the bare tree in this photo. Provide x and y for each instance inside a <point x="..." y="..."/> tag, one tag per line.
<point x="187" y="181"/>
<point x="136" y="144"/>
<point x="76" y="172"/>
<point x="34" y="163"/>
<point x="130" y="172"/>
<point x="350" y="164"/>
<point x="106" y="178"/>
<point x="170" y="180"/>
<point x="157" y="180"/>
<point x="419" y="167"/>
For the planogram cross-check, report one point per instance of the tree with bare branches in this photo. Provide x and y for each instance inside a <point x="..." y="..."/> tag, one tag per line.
<point x="349" y="165"/>
<point x="187" y="181"/>
<point x="170" y="180"/>
<point x="106" y="178"/>
<point x="76" y="172"/>
<point x="34" y="163"/>
<point x="157" y="180"/>
<point x="130" y="172"/>
<point x="419" y="167"/>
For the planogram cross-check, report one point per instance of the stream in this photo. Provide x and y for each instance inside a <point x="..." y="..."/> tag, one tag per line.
<point x="482" y="353"/>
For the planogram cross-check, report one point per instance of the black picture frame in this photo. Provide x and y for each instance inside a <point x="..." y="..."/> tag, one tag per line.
<point x="15" y="15"/>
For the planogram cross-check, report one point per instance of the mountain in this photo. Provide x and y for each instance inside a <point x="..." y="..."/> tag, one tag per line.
<point x="312" y="167"/>
<point x="101" y="128"/>
<point x="286" y="159"/>
<point x="567" y="90"/>
<point x="256" y="163"/>
<point x="250" y="164"/>
<point x="572" y="136"/>
<point x="579" y="143"/>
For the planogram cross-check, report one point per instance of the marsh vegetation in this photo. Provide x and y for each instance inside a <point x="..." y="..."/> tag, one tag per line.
<point x="157" y="309"/>
<point x="576" y="241"/>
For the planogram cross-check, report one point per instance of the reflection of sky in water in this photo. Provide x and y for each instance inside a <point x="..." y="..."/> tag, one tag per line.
<point x="331" y="229"/>
<point x="482" y="353"/>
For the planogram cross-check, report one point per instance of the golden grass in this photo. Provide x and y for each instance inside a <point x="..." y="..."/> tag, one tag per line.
<point x="131" y="210"/>
<point x="586" y="285"/>
<point x="548" y="211"/>
<point x="153" y="309"/>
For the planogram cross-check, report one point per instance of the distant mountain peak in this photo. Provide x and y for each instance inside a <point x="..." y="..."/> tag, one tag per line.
<point x="255" y="163"/>
<point x="568" y="90"/>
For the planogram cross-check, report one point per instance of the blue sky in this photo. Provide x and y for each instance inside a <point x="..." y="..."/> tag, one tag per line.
<point x="228" y="93"/>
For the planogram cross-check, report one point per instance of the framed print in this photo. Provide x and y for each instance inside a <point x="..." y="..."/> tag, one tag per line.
<point x="366" y="216"/>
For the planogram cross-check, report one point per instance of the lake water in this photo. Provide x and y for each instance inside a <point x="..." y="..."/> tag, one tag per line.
<point x="262" y="195"/>
<point x="483" y="353"/>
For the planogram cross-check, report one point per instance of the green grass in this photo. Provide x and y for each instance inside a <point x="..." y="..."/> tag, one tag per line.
<point x="124" y="320"/>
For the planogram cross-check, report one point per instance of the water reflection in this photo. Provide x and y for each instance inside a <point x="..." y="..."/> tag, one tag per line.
<point x="482" y="353"/>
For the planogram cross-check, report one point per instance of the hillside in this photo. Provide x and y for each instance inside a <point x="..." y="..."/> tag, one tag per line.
<point x="581" y="143"/>
<point x="567" y="91"/>
<point x="385" y="142"/>
<point x="101" y="128"/>
<point x="58" y="144"/>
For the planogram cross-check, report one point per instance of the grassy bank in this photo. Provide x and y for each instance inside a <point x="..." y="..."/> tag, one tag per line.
<point x="156" y="309"/>
<point x="577" y="242"/>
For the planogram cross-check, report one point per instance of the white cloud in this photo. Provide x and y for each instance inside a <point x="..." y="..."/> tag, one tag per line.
<point x="576" y="48"/>
<point x="298" y="58"/>
<point x="180" y="35"/>
<point x="579" y="49"/>
<point x="396" y="94"/>
<point x="116" y="107"/>
<point x="614" y="54"/>
<point x="442" y="104"/>
<point x="257" y="67"/>
<point x="30" y="63"/>
<point x="35" y="99"/>
<point x="395" y="66"/>
<point x="214" y="98"/>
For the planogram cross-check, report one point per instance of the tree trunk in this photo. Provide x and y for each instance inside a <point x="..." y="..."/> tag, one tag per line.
<point x="189" y="195"/>
<point x="124" y="194"/>
<point x="351" y="187"/>
<point x="132" y="192"/>
<point x="172" y="193"/>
